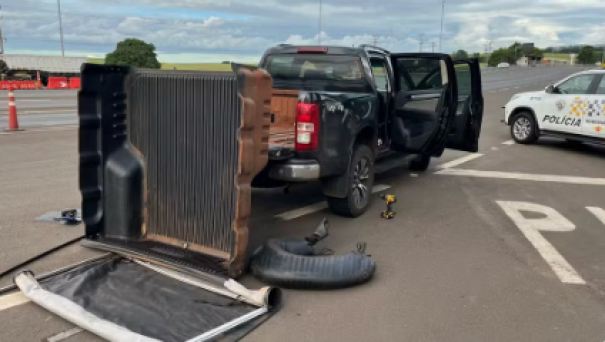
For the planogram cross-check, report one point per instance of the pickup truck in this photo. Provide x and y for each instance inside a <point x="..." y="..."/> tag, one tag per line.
<point x="339" y="115"/>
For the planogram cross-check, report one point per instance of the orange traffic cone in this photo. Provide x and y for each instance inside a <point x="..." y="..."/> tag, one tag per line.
<point x="13" y="123"/>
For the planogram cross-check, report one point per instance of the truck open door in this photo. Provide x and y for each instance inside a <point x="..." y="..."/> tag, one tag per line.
<point x="466" y="128"/>
<point x="425" y="102"/>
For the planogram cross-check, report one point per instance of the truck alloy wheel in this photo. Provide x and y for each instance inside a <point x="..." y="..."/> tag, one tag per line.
<point x="359" y="185"/>
<point x="360" y="180"/>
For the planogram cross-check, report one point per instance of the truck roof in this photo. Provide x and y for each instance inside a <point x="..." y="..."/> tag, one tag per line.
<point x="331" y="50"/>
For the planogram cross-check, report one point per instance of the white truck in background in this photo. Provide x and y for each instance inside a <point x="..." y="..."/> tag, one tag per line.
<point x="20" y="67"/>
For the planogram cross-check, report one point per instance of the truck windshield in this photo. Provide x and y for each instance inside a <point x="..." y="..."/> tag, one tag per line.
<point x="317" y="72"/>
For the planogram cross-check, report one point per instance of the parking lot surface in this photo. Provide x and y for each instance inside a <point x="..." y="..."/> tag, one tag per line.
<point x="504" y="245"/>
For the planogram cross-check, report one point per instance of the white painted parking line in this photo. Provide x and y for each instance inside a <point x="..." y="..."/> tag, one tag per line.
<point x="509" y="142"/>
<point x="12" y="300"/>
<point x="296" y="213"/>
<point x="523" y="176"/>
<point x="505" y="89"/>
<point x="460" y="161"/>
<point x="64" y="335"/>
<point x="42" y="129"/>
<point x="531" y="228"/>
<point x="598" y="213"/>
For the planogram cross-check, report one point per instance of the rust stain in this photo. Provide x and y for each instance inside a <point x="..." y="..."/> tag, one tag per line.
<point x="145" y="193"/>
<point x="190" y="246"/>
<point x="254" y="139"/>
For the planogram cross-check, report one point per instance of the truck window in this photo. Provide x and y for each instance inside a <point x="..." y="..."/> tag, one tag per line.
<point x="463" y="76"/>
<point x="380" y="73"/>
<point x="317" y="72"/>
<point x="420" y="74"/>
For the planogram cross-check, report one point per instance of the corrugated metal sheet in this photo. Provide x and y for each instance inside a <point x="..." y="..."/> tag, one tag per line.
<point x="186" y="127"/>
<point x="44" y="63"/>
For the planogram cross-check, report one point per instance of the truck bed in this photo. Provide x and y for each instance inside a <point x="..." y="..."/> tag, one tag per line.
<point x="283" y="111"/>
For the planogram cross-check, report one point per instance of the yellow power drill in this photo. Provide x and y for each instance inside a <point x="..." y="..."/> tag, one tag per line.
<point x="389" y="213"/>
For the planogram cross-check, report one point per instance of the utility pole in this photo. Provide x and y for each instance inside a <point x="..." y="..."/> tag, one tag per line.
<point x="60" y="27"/>
<point x="433" y="46"/>
<point x="441" y="32"/>
<point x="375" y="40"/>
<point x="319" y="26"/>
<point x="420" y="41"/>
<point x="1" y="37"/>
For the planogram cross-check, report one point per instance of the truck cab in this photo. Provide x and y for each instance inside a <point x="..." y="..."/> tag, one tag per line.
<point x="340" y="115"/>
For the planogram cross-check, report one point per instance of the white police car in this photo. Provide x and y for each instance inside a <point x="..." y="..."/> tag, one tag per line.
<point x="573" y="109"/>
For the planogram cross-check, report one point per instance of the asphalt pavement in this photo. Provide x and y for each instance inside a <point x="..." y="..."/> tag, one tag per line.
<point x="42" y="102"/>
<point x="504" y="245"/>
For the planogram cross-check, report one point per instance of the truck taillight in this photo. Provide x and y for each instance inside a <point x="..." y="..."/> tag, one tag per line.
<point x="307" y="126"/>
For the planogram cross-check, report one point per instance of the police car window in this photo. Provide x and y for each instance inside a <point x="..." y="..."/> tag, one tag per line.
<point x="601" y="87"/>
<point x="379" y="72"/>
<point x="576" y="85"/>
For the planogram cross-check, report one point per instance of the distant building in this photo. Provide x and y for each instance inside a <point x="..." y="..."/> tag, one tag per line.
<point x="527" y="57"/>
<point x="555" y="61"/>
<point x="530" y="60"/>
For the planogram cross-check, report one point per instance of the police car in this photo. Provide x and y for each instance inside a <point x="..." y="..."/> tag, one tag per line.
<point x="573" y="109"/>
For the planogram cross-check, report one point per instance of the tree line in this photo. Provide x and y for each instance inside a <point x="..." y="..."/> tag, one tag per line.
<point x="137" y="53"/>
<point x="586" y="54"/>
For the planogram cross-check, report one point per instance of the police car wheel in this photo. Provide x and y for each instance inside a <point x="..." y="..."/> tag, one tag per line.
<point x="523" y="128"/>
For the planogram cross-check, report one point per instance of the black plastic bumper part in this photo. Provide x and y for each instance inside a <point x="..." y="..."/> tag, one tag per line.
<point x="292" y="263"/>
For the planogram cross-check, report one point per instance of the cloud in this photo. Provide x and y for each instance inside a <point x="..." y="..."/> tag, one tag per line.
<point x="232" y="29"/>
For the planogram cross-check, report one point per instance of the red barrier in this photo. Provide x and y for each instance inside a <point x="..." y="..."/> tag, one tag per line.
<point x="24" y="84"/>
<point x="74" y="83"/>
<point x="57" y="83"/>
<point x="6" y="85"/>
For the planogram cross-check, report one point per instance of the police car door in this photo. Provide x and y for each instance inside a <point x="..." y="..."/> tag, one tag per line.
<point x="564" y="108"/>
<point x="594" y="120"/>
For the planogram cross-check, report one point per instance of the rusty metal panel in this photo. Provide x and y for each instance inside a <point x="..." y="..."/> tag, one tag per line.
<point x="200" y="138"/>
<point x="283" y="107"/>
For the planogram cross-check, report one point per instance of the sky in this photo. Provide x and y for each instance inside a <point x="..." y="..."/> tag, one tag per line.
<point x="197" y="31"/>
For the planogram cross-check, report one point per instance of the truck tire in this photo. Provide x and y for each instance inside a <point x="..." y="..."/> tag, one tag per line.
<point x="523" y="128"/>
<point x="360" y="181"/>
<point x="420" y="163"/>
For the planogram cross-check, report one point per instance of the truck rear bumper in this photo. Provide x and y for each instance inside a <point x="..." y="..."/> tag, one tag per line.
<point x="296" y="170"/>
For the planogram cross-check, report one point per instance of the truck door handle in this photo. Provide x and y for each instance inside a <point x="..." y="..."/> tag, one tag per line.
<point x="425" y="96"/>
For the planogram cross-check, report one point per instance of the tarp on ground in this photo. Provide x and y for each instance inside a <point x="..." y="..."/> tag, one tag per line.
<point x="147" y="303"/>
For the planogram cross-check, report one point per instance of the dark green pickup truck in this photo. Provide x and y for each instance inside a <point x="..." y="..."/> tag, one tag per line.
<point x="340" y="115"/>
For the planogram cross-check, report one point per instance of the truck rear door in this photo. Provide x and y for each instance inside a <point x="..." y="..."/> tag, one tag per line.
<point x="466" y="128"/>
<point x="425" y="102"/>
